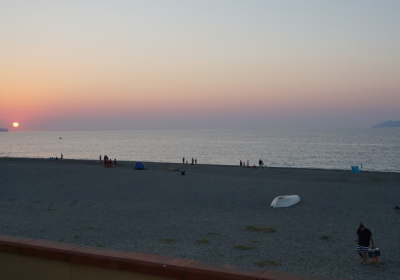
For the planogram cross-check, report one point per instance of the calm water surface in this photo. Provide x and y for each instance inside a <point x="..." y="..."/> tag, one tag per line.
<point x="377" y="149"/>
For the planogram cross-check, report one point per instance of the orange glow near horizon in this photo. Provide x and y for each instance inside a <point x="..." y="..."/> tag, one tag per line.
<point x="184" y="66"/>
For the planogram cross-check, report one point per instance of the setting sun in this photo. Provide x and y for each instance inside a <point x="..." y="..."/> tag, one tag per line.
<point x="15" y="124"/>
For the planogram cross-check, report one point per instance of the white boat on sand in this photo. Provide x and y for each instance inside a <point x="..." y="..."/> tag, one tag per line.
<point x="285" y="200"/>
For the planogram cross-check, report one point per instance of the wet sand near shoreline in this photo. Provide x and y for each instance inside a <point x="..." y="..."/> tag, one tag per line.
<point x="202" y="214"/>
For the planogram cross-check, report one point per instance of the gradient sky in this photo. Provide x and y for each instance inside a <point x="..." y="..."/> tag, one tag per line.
<point x="116" y="65"/>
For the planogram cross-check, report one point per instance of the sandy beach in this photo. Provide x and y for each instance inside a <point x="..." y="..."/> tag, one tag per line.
<point x="202" y="215"/>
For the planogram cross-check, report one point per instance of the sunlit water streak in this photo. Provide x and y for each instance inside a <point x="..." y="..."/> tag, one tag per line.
<point x="377" y="149"/>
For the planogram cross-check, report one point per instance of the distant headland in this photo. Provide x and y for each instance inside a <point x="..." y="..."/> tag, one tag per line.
<point x="3" y="129"/>
<point x="388" y="124"/>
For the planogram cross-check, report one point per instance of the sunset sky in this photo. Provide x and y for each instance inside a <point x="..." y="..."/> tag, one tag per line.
<point x="117" y="65"/>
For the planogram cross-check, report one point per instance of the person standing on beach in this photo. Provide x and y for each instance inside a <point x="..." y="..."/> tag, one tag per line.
<point x="62" y="156"/>
<point x="364" y="236"/>
<point x="183" y="160"/>
<point x="115" y="163"/>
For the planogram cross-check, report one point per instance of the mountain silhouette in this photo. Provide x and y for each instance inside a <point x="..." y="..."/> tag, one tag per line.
<point x="388" y="124"/>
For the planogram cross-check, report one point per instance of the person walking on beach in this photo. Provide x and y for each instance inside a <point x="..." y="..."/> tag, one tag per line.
<point x="62" y="156"/>
<point x="364" y="236"/>
<point x="183" y="160"/>
<point x="115" y="163"/>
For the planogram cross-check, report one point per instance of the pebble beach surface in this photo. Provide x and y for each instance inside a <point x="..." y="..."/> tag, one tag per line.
<point x="204" y="214"/>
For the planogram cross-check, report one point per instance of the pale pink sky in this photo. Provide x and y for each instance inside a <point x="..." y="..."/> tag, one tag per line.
<point x="84" y="65"/>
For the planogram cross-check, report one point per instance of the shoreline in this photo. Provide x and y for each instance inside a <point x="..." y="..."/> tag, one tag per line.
<point x="80" y="201"/>
<point x="125" y="162"/>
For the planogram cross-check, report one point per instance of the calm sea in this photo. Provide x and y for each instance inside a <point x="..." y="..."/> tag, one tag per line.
<point x="377" y="149"/>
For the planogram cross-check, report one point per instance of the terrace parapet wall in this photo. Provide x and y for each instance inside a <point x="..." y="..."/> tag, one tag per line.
<point x="29" y="258"/>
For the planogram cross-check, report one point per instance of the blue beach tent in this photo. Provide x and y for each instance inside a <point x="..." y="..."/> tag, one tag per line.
<point x="139" y="166"/>
<point x="355" y="169"/>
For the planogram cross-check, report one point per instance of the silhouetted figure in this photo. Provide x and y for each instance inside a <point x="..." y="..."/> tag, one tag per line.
<point x="261" y="163"/>
<point x="364" y="237"/>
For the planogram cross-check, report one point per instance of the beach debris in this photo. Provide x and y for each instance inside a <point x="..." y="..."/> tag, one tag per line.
<point x="168" y="240"/>
<point x="243" y="247"/>
<point x="201" y="241"/>
<point x="396" y="207"/>
<point x="326" y="237"/>
<point x="285" y="201"/>
<point x="267" y="263"/>
<point x="260" y="229"/>
<point x="174" y="169"/>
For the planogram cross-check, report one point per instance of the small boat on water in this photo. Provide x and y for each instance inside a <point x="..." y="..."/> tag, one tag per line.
<point x="60" y="138"/>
